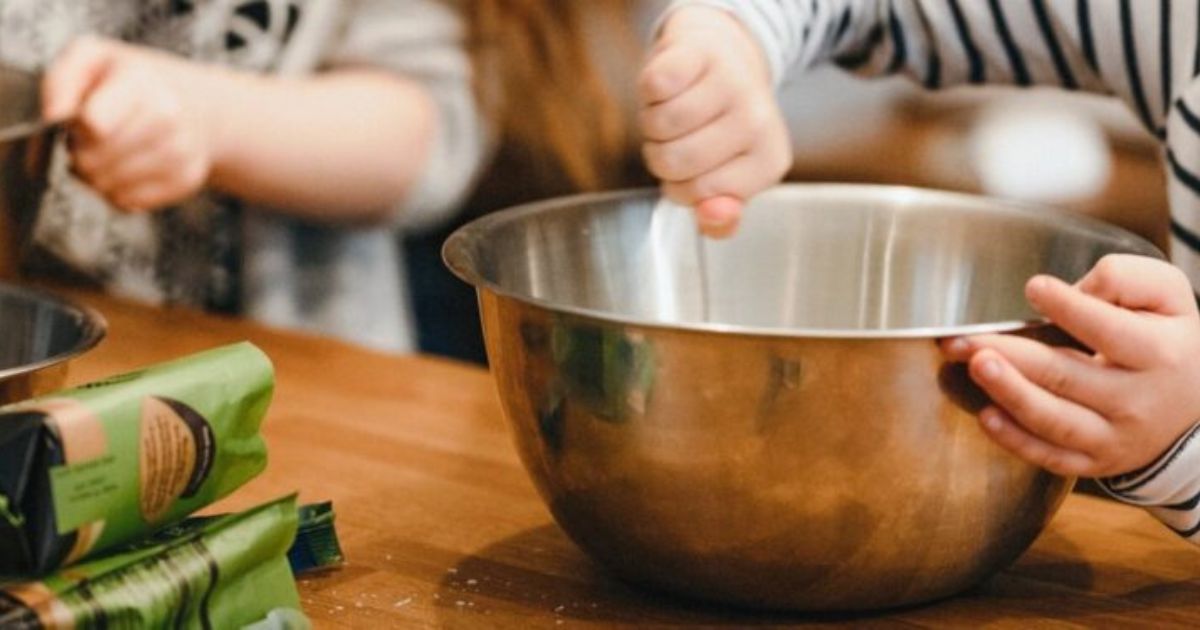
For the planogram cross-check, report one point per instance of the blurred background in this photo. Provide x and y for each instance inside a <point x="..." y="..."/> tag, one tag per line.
<point x="1082" y="152"/>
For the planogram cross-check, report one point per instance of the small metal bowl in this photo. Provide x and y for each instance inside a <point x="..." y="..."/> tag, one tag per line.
<point x="41" y="335"/>
<point x="766" y="420"/>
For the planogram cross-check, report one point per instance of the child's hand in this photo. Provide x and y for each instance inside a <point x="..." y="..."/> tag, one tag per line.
<point x="1104" y="414"/>
<point x="713" y="131"/>
<point x="139" y="132"/>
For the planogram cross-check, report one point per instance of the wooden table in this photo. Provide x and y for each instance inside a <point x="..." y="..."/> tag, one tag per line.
<point x="443" y="530"/>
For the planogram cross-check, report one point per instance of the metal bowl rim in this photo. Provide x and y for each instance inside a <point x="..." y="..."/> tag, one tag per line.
<point x="456" y="258"/>
<point x="94" y="328"/>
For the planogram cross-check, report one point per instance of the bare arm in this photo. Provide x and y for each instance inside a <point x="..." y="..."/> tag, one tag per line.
<point x="343" y="146"/>
<point x="150" y="129"/>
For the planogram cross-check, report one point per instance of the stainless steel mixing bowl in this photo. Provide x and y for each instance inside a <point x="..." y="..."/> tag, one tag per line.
<point x="766" y="421"/>
<point x="39" y="335"/>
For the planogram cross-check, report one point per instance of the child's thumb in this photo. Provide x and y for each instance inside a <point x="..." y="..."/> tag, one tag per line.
<point x="73" y="76"/>
<point x="718" y="217"/>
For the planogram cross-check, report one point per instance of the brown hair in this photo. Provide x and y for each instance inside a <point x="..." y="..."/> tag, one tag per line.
<point x="538" y="85"/>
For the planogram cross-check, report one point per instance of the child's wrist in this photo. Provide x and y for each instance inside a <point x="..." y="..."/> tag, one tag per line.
<point x="708" y="15"/>
<point x="219" y="95"/>
<point x="1168" y="480"/>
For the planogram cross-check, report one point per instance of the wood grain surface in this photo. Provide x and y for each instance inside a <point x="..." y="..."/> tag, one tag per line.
<point x="442" y="529"/>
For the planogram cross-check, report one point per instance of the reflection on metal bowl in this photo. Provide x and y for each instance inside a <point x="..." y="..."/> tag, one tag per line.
<point x="766" y="421"/>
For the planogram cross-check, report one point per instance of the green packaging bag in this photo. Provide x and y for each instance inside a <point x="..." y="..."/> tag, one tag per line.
<point x="223" y="572"/>
<point x="98" y="466"/>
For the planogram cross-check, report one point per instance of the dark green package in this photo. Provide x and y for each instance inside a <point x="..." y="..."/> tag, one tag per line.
<point x="98" y="466"/>
<point x="222" y="572"/>
<point x="316" y="547"/>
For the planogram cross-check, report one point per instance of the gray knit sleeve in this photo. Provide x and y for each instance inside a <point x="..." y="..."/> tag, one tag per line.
<point x="424" y="40"/>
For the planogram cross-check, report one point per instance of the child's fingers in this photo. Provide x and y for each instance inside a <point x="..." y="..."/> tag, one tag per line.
<point x="741" y="177"/>
<point x="1063" y="372"/>
<point x="133" y="170"/>
<point x="1141" y="284"/>
<point x="956" y="349"/>
<point x="670" y="72"/>
<point x="147" y="196"/>
<point x="151" y="189"/>
<point x="698" y="153"/>
<point x="1006" y="432"/>
<point x="1118" y="333"/>
<point x="961" y="349"/>
<point x="73" y="75"/>
<point x="701" y="105"/>
<point x="144" y="140"/>
<point x="718" y="217"/>
<point x="113" y="106"/>
<point x="1053" y="419"/>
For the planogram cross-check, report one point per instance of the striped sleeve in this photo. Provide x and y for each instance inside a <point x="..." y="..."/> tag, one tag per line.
<point x="1183" y="167"/>
<point x="936" y="42"/>
<point x="1145" y="53"/>
<point x="1169" y="488"/>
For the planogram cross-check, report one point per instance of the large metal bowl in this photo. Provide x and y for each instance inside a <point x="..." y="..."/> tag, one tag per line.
<point x="39" y="335"/>
<point x="781" y="430"/>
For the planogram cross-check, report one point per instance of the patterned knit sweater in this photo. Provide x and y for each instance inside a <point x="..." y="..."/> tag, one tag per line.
<point x="215" y="252"/>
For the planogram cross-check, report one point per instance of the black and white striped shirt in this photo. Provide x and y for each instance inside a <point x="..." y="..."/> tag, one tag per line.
<point x="1147" y="53"/>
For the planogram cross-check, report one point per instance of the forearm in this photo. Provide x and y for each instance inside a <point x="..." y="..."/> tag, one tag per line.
<point x="345" y="146"/>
